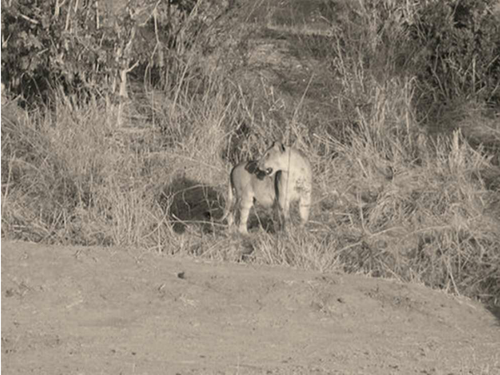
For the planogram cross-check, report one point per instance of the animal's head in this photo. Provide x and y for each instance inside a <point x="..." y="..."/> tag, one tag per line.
<point x="274" y="159"/>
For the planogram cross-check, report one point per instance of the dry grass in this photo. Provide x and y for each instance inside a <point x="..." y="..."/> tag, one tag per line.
<point x="390" y="200"/>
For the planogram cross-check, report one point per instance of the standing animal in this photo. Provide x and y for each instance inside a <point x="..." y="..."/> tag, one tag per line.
<point x="249" y="185"/>
<point x="282" y="175"/>
<point x="294" y="178"/>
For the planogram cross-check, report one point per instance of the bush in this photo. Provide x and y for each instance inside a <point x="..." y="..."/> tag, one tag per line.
<point x="457" y="50"/>
<point x="92" y="47"/>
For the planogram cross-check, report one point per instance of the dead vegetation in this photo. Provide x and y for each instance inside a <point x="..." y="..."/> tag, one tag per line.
<point x="392" y="198"/>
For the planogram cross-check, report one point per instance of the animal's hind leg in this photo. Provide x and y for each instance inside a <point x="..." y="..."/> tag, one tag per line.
<point x="228" y="214"/>
<point x="245" y="206"/>
<point x="230" y="218"/>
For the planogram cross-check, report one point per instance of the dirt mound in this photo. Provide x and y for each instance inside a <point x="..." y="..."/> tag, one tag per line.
<point x="113" y="310"/>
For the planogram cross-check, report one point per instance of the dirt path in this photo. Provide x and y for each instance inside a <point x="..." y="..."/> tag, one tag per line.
<point x="69" y="310"/>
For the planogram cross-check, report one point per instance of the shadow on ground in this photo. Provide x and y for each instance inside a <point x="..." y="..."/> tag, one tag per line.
<point x="191" y="203"/>
<point x="263" y="219"/>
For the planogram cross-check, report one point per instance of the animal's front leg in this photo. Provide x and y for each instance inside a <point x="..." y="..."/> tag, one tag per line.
<point x="304" y="208"/>
<point x="284" y="204"/>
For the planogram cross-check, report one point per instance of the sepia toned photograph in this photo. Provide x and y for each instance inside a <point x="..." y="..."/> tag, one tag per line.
<point x="250" y="187"/>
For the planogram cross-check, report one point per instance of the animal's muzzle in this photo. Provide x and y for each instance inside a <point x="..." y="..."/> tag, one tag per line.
<point x="268" y="171"/>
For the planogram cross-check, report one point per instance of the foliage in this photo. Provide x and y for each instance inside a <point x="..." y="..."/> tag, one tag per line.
<point x="457" y="46"/>
<point x="451" y="48"/>
<point x="84" y="44"/>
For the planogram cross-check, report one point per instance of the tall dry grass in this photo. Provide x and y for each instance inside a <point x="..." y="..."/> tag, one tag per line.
<point x="70" y="176"/>
<point x="390" y="200"/>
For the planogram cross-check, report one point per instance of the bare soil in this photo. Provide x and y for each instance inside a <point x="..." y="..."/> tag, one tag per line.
<point x="68" y="310"/>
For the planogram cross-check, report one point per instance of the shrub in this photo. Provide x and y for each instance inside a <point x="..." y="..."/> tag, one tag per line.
<point x="457" y="50"/>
